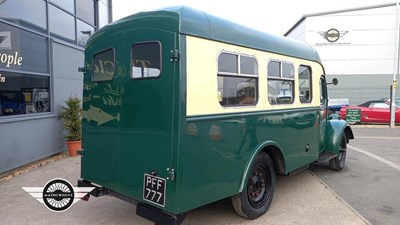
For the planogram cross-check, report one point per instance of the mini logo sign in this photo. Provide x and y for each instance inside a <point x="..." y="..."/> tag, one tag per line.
<point x="332" y="35"/>
<point x="58" y="195"/>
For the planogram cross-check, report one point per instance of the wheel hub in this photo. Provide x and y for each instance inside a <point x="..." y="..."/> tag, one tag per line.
<point x="258" y="186"/>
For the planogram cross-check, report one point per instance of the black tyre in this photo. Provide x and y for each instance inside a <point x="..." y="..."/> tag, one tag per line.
<point x="339" y="161"/>
<point x="256" y="196"/>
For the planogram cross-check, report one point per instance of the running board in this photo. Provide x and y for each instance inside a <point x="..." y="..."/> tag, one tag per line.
<point x="326" y="156"/>
<point x="298" y="170"/>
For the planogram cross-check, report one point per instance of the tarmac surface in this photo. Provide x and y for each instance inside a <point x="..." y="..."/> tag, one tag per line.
<point x="299" y="199"/>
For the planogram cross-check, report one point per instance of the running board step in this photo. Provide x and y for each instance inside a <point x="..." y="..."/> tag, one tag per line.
<point x="326" y="156"/>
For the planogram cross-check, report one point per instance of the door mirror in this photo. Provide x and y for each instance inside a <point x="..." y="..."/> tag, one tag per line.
<point x="334" y="82"/>
<point x="333" y="117"/>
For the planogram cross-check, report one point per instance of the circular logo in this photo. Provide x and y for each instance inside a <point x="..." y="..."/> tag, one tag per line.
<point x="58" y="195"/>
<point x="332" y="35"/>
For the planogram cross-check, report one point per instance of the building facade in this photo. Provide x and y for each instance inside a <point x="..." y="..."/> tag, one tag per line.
<point x="357" y="46"/>
<point x="41" y="47"/>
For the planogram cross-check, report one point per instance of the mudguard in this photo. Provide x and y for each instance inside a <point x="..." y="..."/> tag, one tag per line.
<point x="276" y="155"/>
<point x="334" y="130"/>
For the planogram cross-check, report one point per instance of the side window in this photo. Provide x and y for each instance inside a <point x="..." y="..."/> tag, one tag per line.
<point x="323" y="90"/>
<point x="305" y="84"/>
<point x="104" y="66"/>
<point x="146" y="60"/>
<point x="237" y="80"/>
<point x="280" y="82"/>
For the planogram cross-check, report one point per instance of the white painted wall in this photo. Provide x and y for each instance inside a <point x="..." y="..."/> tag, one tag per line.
<point x="368" y="42"/>
<point x="363" y="58"/>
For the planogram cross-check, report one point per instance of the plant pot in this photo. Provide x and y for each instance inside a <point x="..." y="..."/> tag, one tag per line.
<point x="74" y="146"/>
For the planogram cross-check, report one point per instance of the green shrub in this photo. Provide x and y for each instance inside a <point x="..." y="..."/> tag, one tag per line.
<point x="71" y="114"/>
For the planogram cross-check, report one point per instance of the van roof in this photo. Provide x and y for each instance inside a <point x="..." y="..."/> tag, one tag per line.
<point x="197" y="23"/>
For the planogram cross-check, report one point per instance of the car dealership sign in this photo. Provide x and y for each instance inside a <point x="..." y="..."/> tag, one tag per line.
<point x="10" y="59"/>
<point x="332" y="36"/>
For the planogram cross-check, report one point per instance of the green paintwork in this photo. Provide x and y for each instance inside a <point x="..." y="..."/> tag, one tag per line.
<point x="135" y="126"/>
<point x="193" y="22"/>
<point x="130" y="125"/>
<point x="334" y="130"/>
<point x="218" y="150"/>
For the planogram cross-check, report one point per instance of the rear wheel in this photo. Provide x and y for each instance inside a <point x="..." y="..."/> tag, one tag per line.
<point x="339" y="161"/>
<point x="256" y="196"/>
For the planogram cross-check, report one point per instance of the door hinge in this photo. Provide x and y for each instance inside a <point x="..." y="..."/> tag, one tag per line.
<point x="171" y="174"/>
<point x="81" y="152"/>
<point x="82" y="69"/>
<point x="174" y="56"/>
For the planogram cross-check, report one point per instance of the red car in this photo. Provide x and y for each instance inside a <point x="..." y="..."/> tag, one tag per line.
<point x="377" y="111"/>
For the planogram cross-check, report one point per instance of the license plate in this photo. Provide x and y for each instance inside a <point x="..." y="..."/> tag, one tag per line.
<point x="154" y="189"/>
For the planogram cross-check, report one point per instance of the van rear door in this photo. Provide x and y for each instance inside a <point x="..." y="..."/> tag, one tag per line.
<point x="128" y="113"/>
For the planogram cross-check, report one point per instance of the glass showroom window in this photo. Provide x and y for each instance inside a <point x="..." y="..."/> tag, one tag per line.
<point x="85" y="10"/>
<point x="280" y="82"/>
<point x="66" y="4"/>
<point x="23" y="94"/>
<point x="62" y="24"/>
<point x="237" y="80"/>
<point x="104" y="16"/>
<point x="30" y="14"/>
<point x="22" y="50"/>
<point x="84" y="31"/>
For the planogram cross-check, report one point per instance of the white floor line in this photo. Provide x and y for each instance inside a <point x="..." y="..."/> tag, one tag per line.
<point x="391" y="164"/>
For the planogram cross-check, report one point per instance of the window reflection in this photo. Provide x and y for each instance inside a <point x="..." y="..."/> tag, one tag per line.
<point x="66" y="4"/>
<point x="104" y="66"/>
<point x="29" y="50"/>
<point x="23" y="94"/>
<point x="103" y="14"/>
<point x="62" y="25"/>
<point x="84" y="31"/>
<point x="305" y="84"/>
<point x="237" y="89"/>
<point x="30" y="14"/>
<point x="146" y="60"/>
<point x="85" y="10"/>
<point x="280" y="82"/>
<point x="228" y="63"/>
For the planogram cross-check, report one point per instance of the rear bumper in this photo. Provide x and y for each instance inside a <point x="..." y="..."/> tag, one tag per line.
<point x="142" y="209"/>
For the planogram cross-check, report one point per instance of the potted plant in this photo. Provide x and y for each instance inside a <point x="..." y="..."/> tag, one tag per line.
<point x="71" y="114"/>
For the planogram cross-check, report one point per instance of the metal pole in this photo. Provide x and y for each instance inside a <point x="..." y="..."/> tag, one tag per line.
<point x="395" y="70"/>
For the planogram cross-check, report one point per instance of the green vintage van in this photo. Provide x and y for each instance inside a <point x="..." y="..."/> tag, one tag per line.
<point x="182" y="108"/>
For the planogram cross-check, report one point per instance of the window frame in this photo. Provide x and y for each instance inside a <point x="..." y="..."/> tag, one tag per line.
<point x="131" y="60"/>
<point x="114" y="69"/>
<point x="239" y="75"/>
<point x="281" y="78"/>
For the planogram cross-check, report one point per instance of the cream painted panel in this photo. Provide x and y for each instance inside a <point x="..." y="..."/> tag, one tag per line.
<point x="202" y="97"/>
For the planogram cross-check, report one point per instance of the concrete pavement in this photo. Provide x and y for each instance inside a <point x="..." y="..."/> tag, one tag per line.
<point x="299" y="199"/>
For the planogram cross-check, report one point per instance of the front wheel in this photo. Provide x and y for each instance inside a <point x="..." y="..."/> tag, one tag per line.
<point x="338" y="162"/>
<point x="256" y="196"/>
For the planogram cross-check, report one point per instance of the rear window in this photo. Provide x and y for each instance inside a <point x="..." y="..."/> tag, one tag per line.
<point x="146" y="60"/>
<point x="103" y="66"/>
